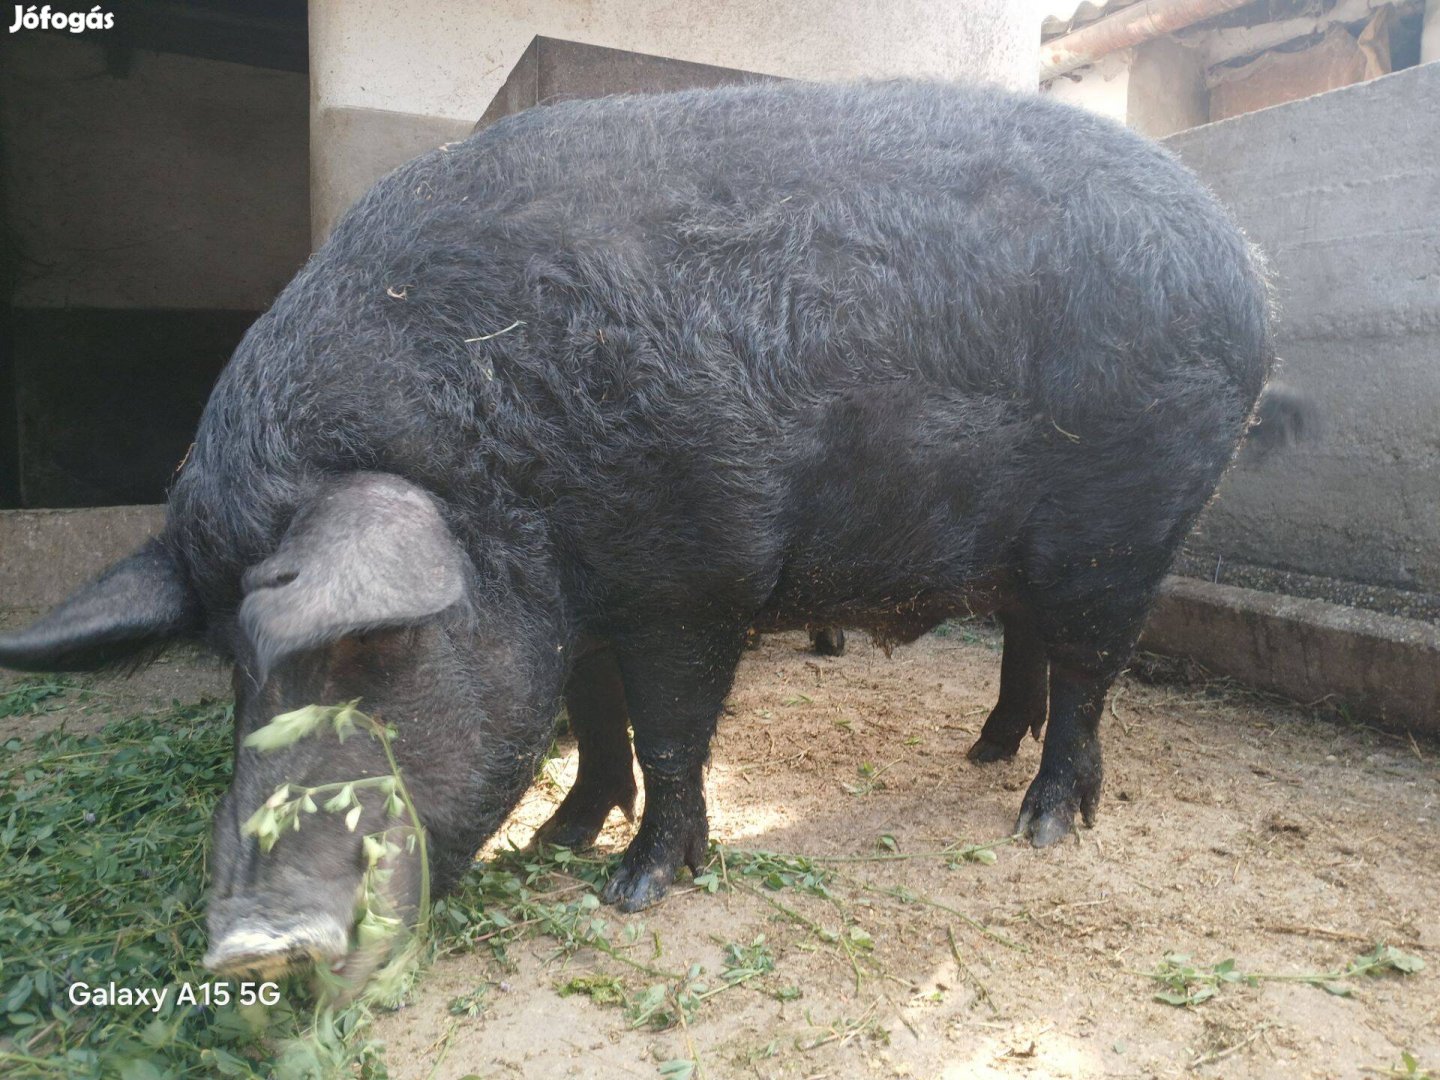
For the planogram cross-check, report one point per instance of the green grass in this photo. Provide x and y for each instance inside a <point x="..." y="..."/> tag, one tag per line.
<point x="103" y="841"/>
<point x="102" y="847"/>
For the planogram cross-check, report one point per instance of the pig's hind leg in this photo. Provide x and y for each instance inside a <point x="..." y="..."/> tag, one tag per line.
<point x="828" y="641"/>
<point x="1094" y="554"/>
<point x="1088" y="622"/>
<point x="1023" y="691"/>
<point x="1070" y="772"/>
<point x="595" y="701"/>
<point x="1089" y="614"/>
<point x="1089" y="594"/>
<point x="676" y="680"/>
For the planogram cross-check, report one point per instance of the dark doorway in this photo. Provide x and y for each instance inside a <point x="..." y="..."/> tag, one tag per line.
<point x="155" y="199"/>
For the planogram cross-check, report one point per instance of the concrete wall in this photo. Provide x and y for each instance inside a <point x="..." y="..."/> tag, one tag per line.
<point x="1167" y="89"/>
<point x="46" y="554"/>
<point x="178" y="183"/>
<point x="554" y="70"/>
<point x="390" y="80"/>
<point x="154" y="204"/>
<point x="1342" y="192"/>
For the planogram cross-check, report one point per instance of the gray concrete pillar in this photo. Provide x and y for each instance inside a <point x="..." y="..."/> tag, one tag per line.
<point x="1430" y="35"/>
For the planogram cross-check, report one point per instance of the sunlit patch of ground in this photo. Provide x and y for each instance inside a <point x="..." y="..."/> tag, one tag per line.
<point x="1231" y="828"/>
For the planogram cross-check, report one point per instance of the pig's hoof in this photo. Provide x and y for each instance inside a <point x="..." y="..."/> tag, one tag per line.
<point x="633" y="890"/>
<point x="1047" y="815"/>
<point x="578" y="820"/>
<point x="576" y="834"/>
<point x="984" y="752"/>
<point x="1003" y="733"/>
<point x="650" y="865"/>
<point x="1049" y="827"/>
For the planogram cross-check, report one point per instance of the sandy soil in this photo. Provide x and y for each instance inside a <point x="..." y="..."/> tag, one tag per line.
<point x="1231" y="828"/>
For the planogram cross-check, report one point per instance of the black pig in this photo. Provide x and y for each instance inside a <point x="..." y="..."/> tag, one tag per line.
<point x="564" y="408"/>
<point x="828" y="641"/>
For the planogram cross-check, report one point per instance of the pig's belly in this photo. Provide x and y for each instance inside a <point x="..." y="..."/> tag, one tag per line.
<point x="890" y="622"/>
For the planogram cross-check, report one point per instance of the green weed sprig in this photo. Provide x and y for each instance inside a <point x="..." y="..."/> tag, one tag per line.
<point x="102" y="854"/>
<point x="1186" y="983"/>
<point x="377" y="923"/>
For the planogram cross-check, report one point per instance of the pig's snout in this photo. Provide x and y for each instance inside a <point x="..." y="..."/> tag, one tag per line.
<point x="302" y="912"/>
<point x="266" y="942"/>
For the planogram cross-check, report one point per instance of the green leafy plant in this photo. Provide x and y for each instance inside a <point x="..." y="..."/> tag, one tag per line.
<point x="843" y="1030"/>
<point x="32" y="697"/>
<point x="1408" y="1069"/>
<point x="869" y="778"/>
<point x="745" y="962"/>
<point x="472" y="1003"/>
<point x="776" y="872"/>
<point x="971" y="853"/>
<point x="601" y="989"/>
<point x="379" y="928"/>
<point x="102" y="849"/>
<point x="1186" y="983"/>
<point x="92" y="838"/>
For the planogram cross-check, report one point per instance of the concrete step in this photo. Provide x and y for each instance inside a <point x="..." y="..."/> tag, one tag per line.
<point x="1381" y="668"/>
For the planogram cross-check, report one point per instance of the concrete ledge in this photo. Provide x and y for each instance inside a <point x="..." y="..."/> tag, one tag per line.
<point x="45" y="554"/>
<point x="1379" y="667"/>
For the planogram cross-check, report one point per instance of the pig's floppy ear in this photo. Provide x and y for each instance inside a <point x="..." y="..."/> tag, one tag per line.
<point x="131" y="611"/>
<point x="370" y="550"/>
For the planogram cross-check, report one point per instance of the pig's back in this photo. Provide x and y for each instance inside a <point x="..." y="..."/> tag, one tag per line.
<point x="819" y="234"/>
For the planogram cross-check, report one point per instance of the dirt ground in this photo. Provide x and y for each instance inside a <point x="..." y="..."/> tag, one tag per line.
<point x="1231" y="828"/>
<point x="180" y="675"/>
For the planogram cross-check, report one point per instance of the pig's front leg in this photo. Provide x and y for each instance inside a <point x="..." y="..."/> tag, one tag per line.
<point x="595" y="702"/>
<point x="676" y="681"/>
<point x="1023" y="690"/>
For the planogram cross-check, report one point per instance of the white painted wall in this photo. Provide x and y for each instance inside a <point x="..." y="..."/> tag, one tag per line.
<point x="391" y="80"/>
<point x="447" y="58"/>
<point x="1102" y="87"/>
<point x="1430" y="34"/>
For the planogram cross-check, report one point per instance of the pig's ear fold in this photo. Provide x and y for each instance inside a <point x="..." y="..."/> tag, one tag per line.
<point x="370" y="550"/>
<point x="122" y="618"/>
